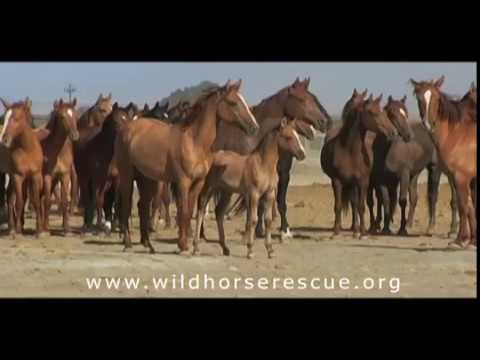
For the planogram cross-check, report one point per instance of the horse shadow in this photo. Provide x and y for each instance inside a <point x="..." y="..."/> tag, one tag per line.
<point x="396" y="247"/>
<point x="102" y="242"/>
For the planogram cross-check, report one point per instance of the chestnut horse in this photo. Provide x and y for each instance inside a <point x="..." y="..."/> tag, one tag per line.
<point x="149" y="151"/>
<point x="293" y="101"/>
<point x="347" y="158"/>
<point x="452" y="124"/>
<point x="24" y="163"/>
<point x="57" y="148"/>
<point x="253" y="175"/>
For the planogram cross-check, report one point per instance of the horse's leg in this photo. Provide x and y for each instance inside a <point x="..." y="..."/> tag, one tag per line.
<point x="47" y="202"/>
<point x="473" y="190"/>
<point x="36" y="183"/>
<point x="270" y="200"/>
<point x="3" y="190"/>
<point x="260" y="229"/>
<point x="434" y="174"/>
<point x="362" y="197"/>
<point x="453" y="207"/>
<point x="385" y="194"/>
<point x="109" y="201"/>
<point x="462" y="188"/>
<point x="65" y="181"/>
<point x="220" y="211"/>
<point x="19" y="201"/>
<point x="166" y="200"/>
<point x="147" y="189"/>
<point x="404" y="184"/>
<point x="370" y="205"/>
<point x="472" y="219"/>
<point x="155" y="206"/>
<point x="195" y="190"/>
<point x="354" y="202"/>
<point x="413" y="198"/>
<point x="203" y="198"/>
<point x="284" y="180"/>
<point x="183" y="188"/>
<point x="378" y="219"/>
<point x="73" y="190"/>
<point x="337" y="191"/>
<point x="253" y="219"/>
<point x="125" y="188"/>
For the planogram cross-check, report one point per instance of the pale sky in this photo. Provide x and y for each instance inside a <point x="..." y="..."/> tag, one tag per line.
<point x="333" y="83"/>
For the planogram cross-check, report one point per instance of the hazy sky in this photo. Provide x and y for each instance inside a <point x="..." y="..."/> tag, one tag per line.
<point x="333" y="83"/>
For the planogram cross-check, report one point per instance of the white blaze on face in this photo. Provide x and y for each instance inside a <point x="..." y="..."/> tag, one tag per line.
<point x="313" y="130"/>
<point x="6" y="118"/>
<point x="427" y="96"/>
<point x="248" y="109"/>
<point x="299" y="142"/>
<point x="70" y="112"/>
<point x="135" y="117"/>
<point x="403" y="113"/>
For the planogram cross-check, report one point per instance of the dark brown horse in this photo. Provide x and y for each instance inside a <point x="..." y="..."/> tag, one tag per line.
<point x="23" y="163"/>
<point x="294" y="101"/>
<point x="58" y="157"/>
<point x="452" y="124"/>
<point x="253" y="175"/>
<point x="149" y="151"/>
<point x="96" y="114"/>
<point x="347" y="158"/>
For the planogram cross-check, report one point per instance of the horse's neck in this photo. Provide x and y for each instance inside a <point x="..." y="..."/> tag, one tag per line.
<point x="57" y="137"/>
<point x="27" y="140"/>
<point x="204" y="127"/>
<point x="266" y="127"/>
<point x="269" y="108"/>
<point x="352" y="133"/>
<point x="268" y="151"/>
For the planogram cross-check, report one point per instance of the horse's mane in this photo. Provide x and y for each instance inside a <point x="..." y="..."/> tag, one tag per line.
<point x="262" y="102"/>
<point x="454" y="110"/>
<point x="200" y="104"/>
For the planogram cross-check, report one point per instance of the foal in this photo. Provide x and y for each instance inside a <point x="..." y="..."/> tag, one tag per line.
<point x="25" y="163"/>
<point x="58" y="157"/>
<point x="254" y="176"/>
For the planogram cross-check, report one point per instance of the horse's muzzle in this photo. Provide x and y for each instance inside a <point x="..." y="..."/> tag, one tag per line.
<point x="74" y="135"/>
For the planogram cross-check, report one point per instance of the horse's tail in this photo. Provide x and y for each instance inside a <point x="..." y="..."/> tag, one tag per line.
<point x="347" y="195"/>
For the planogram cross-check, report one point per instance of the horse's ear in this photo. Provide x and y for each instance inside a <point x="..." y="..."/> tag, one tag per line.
<point x="296" y="82"/>
<point x="74" y="103"/>
<point x="472" y="87"/>
<point x="379" y="99"/>
<point x="115" y="106"/>
<point x="413" y="82"/>
<point x="110" y="96"/>
<point x="370" y="98"/>
<point x="404" y="99"/>
<point x="145" y="107"/>
<point x="131" y="112"/>
<point x="307" y="82"/>
<point x="364" y="93"/>
<point x="60" y="102"/>
<point x="5" y="103"/>
<point x="55" y="104"/>
<point x="283" y="122"/>
<point x="238" y="85"/>
<point x="28" y="103"/>
<point x="355" y="92"/>
<point x="167" y="104"/>
<point x="390" y="99"/>
<point x="438" y="84"/>
<point x="100" y="97"/>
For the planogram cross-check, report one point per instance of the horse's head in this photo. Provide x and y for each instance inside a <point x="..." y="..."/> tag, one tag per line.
<point x="67" y="115"/>
<point x="289" y="140"/>
<point x="398" y="114"/>
<point x="134" y="108"/>
<point x="428" y="98"/>
<point x="354" y="102"/>
<point x="375" y="119"/>
<point x="304" y="129"/>
<point x="121" y="116"/>
<point x="233" y="108"/>
<point x="17" y="118"/>
<point x="301" y="104"/>
<point x="102" y="108"/>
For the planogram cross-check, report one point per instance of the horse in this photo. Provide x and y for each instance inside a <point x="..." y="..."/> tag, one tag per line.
<point x="157" y="112"/>
<point x="347" y="158"/>
<point x="452" y="125"/>
<point x="58" y="157"/>
<point x="99" y="173"/>
<point x="89" y="125"/>
<point x="255" y="176"/>
<point x="149" y="151"/>
<point x="293" y="101"/>
<point x="23" y="163"/>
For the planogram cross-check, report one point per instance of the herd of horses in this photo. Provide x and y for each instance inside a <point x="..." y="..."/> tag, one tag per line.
<point x="220" y="146"/>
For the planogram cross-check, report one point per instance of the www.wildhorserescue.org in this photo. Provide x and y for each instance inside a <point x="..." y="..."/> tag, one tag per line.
<point x="206" y="282"/>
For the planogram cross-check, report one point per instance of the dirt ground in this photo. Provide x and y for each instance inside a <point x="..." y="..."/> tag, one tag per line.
<point x="413" y="266"/>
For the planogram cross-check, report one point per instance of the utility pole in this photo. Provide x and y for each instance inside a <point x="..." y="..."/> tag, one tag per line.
<point x="70" y="90"/>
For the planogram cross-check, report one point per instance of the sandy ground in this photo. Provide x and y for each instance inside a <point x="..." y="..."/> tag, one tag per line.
<point x="413" y="266"/>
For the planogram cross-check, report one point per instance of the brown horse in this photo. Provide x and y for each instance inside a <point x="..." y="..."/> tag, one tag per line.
<point x="452" y="124"/>
<point x="149" y="151"/>
<point x="347" y="158"/>
<point x="96" y="114"/>
<point x="293" y="101"/>
<point x="24" y="163"/>
<point x="58" y="157"/>
<point x="253" y="175"/>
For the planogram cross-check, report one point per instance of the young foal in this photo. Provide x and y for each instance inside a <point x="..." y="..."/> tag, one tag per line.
<point x="149" y="151"/>
<point x="253" y="175"/>
<point x="58" y="157"/>
<point x="453" y="127"/>
<point x="25" y="163"/>
<point x="347" y="158"/>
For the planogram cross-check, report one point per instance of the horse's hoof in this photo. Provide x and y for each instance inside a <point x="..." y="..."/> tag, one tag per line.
<point x="285" y="236"/>
<point x="363" y="237"/>
<point x="386" y="232"/>
<point x="270" y="253"/>
<point x="151" y="250"/>
<point x="250" y="255"/>
<point x="184" y="253"/>
<point x="196" y="252"/>
<point x="471" y="247"/>
<point x="259" y="233"/>
<point x="226" y="251"/>
<point x="452" y="234"/>
<point x="356" y="235"/>
<point x="402" y="232"/>
<point x="127" y="249"/>
<point x="455" y="245"/>
<point x="67" y="234"/>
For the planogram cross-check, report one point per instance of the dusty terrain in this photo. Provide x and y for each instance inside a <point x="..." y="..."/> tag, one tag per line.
<point x="58" y="267"/>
